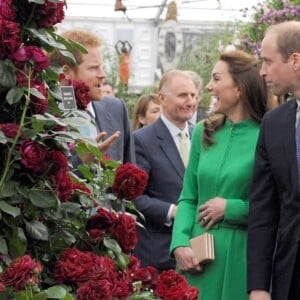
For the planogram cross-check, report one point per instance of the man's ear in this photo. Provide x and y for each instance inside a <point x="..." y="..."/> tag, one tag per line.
<point x="68" y="71"/>
<point x="295" y="59"/>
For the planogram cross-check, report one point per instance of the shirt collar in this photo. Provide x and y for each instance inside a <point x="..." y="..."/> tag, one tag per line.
<point x="174" y="130"/>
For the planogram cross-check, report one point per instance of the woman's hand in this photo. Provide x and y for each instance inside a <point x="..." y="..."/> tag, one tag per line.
<point x="212" y="212"/>
<point x="187" y="260"/>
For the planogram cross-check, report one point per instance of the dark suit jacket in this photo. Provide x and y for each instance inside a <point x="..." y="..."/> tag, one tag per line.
<point x="112" y="115"/>
<point x="274" y="205"/>
<point x="157" y="154"/>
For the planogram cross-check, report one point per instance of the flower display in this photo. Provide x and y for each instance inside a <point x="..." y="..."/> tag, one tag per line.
<point x="58" y="238"/>
<point x="130" y="181"/>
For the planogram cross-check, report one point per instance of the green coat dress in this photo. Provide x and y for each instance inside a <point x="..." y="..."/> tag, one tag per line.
<point x="224" y="170"/>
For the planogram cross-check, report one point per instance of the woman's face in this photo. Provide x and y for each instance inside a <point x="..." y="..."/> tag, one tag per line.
<point x="151" y="115"/>
<point x="224" y="91"/>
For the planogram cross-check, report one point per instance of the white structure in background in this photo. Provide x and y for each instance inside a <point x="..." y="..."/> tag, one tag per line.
<point x="156" y="45"/>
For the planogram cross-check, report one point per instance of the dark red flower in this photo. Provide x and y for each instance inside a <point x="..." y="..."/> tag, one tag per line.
<point x="22" y="271"/>
<point x="50" y="13"/>
<point x="40" y="105"/>
<point x="30" y="55"/>
<point x="130" y="181"/>
<point x="75" y="266"/>
<point x="147" y="275"/>
<point x="63" y="185"/>
<point x="33" y="155"/>
<point x="57" y="160"/>
<point x="81" y="91"/>
<point x="102" y="220"/>
<point x="171" y="286"/>
<point x="121" y="290"/>
<point x="97" y="234"/>
<point x="6" y="10"/>
<point x="124" y="229"/>
<point x="95" y="290"/>
<point x="10" y="129"/>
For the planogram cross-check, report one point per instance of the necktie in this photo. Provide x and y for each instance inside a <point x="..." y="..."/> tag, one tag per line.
<point x="184" y="147"/>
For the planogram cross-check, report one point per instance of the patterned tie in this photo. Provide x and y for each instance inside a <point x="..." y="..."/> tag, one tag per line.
<point x="184" y="147"/>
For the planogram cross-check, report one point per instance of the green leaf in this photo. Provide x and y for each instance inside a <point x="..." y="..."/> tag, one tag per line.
<point x="37" y="230"/>
<point x="3" y="139"/>
<point x="37" y="1"/>
<point x="14" y="95"/>
<point x="17" y="242"/>
<point x="7" y="75"/>
<point x="56" y="292"/>
<point x="112" y="245"/>
<point x="9" y="189"/>
<point x="142" y="296"/>
<point x="9" y="209"/>
<point x="41" y="198"/>
<point x="71" y="207"/>
<point x="122" y="260"/>
<point x="3" y="246"/>
<point x="36" y="93"/>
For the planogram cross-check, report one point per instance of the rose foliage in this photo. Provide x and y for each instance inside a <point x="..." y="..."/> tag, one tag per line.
<point x="59" y="238"/>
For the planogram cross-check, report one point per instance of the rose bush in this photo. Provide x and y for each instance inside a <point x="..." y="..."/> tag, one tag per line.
<point x="58" y="238"/>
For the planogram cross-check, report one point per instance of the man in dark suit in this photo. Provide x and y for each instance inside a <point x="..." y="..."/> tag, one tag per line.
<point x="110" y="114"/>
<point x="274" y="217"/>
<point x="158" y="152"/>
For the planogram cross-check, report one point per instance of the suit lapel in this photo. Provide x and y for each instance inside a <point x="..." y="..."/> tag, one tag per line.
<point x="103" y="117"/>
<point x="289" y="118"/>
<point x="169" y="148"/>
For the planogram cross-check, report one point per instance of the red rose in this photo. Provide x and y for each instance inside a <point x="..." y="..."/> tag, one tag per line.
<point x="81" y="91"/>
<point x="134" y="264"/>
<point x="40" y="105"/>
<point x="58" y="160"/>
<point x="2" y="287"/>
<point x="130" y="181"/>
<point x="191" y="293"/>
<point x="124" y="229"/>
<point x="63" y="185"/>
<point x="22" y="271"/>
<point x="121" y="290"/>
<point x="10" y="129"/>
<point x="95" y="290"/>
<point x="33" y="155"/>
<point x="78" y="267"/>
<point x="147" y="275"/>
<point x="102" y="220"/>
<point x="97" y="234"/>
<point x="50" y="13"/>
<point x="171" y="286"/>
<point x="6" y="10"/>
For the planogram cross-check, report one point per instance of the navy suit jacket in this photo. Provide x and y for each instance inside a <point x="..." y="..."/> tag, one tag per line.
<point x="158" y="155"/>
<point x="274" y="215"/>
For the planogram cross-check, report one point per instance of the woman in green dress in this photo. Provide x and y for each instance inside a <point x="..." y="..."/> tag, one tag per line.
<point x="217" y="181"/>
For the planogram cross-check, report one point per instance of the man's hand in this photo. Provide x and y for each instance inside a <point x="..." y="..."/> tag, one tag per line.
<point x="259" y="295"/>
<point x="102" y="146"/>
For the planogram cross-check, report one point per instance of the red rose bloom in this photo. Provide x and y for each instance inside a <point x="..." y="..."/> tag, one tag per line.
<point x="102" y="220"/>
<point x="125" y="232"/>
<point x="95" y="290"/>
<point x="191" y="293"/>
<point x="171" y="286"/>
<point x="121" y="290"/>
<point x="40" y="105"/>
<point x="97" y="234"/>
<point x="22" y="271"/>
<point x="6" y="10"/>
<point x="63" y="185"/>
<point x="33" y="155"/>
<point x="78" y="267"/>
<point x="147" y="275"/>
<point x="81" y="91"/>
<point x="9" y="129"/>
<point x="130" y="181"/>
<point x="57" y="160"/>
<point x="50" y="13"/>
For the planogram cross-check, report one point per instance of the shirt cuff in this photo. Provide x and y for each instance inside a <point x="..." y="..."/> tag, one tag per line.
<point x="169" y="221"/>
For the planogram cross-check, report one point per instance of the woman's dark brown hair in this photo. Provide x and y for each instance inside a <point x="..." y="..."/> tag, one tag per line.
<point x="244" y="70"/>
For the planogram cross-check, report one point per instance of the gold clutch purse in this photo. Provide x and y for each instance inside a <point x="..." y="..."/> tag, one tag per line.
<point x="203" y="246"/>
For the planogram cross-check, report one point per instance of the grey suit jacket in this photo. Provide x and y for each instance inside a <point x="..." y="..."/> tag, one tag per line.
<point x="112" y="115"/>
<point x="157" y="154"/>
